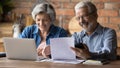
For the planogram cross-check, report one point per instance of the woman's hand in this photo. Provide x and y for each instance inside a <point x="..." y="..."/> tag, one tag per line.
<point x="40" y="48"/>
<point x="43" y="50"/>
<point x="46" y="51"/>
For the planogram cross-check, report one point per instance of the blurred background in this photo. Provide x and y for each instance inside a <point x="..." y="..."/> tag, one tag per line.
<point x="11" y="11"/>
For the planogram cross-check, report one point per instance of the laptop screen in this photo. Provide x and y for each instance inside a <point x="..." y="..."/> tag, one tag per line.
<point x="17" y="48"/>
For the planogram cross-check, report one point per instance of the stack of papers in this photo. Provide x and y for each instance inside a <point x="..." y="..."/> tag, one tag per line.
<point x="62" y="61"/>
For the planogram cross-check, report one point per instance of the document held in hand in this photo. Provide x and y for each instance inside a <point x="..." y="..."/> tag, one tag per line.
<point x="60" y="48"/>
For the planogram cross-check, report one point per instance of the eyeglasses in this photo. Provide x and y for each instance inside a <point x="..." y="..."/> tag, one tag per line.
<point x="85" y="17"/>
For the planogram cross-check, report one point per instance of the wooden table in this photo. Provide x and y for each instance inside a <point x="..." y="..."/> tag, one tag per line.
<point x="5" y="63"/>
<point x="1" y="47"/>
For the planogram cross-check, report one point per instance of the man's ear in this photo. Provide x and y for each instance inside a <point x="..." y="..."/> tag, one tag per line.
<point x="95" y="15"/>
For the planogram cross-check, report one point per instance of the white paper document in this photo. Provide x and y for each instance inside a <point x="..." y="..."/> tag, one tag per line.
<point x="61" y="51"/>
<point x="60" y="48"/>
<point x="61" y="61"/>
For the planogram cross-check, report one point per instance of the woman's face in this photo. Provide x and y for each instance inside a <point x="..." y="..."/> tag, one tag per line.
<point x="43" y="21"/>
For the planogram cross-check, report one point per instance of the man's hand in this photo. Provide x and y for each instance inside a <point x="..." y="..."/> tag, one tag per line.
<point x="82" y="53"/>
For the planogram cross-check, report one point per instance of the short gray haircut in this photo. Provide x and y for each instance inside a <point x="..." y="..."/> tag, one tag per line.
<point x="44" y="7"/>
<point x="91" y="7"/>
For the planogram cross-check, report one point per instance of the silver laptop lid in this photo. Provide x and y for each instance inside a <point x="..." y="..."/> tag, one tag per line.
<point x="16" y="48"/>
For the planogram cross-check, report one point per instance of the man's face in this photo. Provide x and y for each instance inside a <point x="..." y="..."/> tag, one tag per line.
<point x="86" y="20"/>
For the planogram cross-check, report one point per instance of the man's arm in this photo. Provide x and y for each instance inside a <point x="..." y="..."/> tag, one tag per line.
<point x="109" y="46"/>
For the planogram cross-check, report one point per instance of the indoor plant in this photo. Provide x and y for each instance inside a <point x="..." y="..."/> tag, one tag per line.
<point x="5" y="7"/>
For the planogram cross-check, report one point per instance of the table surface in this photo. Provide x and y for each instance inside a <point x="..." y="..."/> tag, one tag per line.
<point x="6" y="63"/>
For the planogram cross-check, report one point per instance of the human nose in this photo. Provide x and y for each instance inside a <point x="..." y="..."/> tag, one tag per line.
<point x="81" y="20"/>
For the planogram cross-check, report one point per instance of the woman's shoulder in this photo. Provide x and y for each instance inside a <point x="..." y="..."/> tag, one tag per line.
<point x="31" y="26"/>
<point x="58" y="31"/>
<point x="57" y="28"/>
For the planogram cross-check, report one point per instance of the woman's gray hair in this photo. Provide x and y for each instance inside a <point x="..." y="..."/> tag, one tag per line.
<point x="44" y="7"/>
<point x="91" y="7"/>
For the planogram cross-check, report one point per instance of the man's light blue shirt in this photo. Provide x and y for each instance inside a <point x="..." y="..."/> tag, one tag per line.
<point x="33" y="32"/>
<point x="103" y="42"/>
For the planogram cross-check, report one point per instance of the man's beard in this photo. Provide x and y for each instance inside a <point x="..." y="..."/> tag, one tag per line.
<point x="89" y="26"/>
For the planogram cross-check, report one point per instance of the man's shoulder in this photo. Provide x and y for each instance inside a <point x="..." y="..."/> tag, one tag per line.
<point x="105" y="29"/>
<point x="108" y="29"/>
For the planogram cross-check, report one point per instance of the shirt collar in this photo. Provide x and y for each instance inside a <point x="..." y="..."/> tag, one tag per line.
<point x="97" y="30"/>
<point x="36" y="30"/>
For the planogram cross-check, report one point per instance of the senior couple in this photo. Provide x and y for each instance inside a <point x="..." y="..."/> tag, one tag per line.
<point x="98" y="41"/>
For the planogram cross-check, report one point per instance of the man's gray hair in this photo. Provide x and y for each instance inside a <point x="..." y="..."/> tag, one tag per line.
<point x="44" y="7"/>
<point x="91" y="7"/>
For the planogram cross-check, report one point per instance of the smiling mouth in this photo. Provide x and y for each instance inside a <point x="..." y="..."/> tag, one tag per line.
<point x="41" y="26"/>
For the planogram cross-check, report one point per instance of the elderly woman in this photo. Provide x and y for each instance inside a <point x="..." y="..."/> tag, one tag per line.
<point x="44" y="16"/>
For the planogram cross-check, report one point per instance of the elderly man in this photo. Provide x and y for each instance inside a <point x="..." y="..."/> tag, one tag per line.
<point x="99" y="42"/>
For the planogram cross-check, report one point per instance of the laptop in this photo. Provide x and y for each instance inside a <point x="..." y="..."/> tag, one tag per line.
<point x="17" y="48"/>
